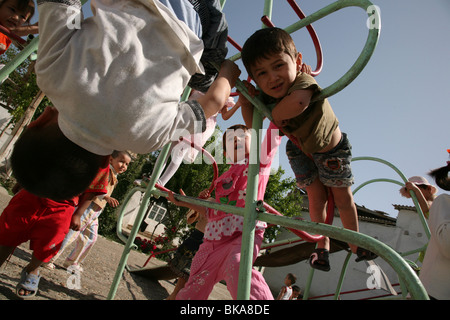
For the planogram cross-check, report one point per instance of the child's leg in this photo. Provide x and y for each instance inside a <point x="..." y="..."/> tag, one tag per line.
<point x="259" y="290"/>
<point x="84" y="243"/>
<point x="318" y="197"/>
<point x="343" y="199"/>
<point x="204" y="269"/>
<point x="91" y="233"/>
<point x="70" y="237"/>
<point x="5" y="252"/>
<point x="177" y="153"/>
<point x="180" y="285"/>
<point x="32" y="269"/>
<point x="307" y="178"/>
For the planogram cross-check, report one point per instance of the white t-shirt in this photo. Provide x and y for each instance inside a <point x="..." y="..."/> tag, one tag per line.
<point x="435" y="272"/>
<point x="116" y="79"/>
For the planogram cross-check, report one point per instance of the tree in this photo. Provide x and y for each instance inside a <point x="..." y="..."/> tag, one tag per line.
<point x="22" y="98"/>
<point x="281" y="194"/>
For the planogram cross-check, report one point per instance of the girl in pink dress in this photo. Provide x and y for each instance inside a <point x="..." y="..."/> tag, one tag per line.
<point x="218" y="257"/>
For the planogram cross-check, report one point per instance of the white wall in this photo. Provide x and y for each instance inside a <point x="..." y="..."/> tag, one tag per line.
<point x="406" y="236"/>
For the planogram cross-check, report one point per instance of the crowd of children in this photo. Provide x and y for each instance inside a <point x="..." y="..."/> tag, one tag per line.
<point x="116" y="84"/>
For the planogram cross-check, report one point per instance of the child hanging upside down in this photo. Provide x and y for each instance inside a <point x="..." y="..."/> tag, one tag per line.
<point x="115" y="80"/>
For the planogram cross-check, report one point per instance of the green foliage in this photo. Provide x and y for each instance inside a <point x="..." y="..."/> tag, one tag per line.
<point x="281" y="195"/>
<point x="18" y="91"/>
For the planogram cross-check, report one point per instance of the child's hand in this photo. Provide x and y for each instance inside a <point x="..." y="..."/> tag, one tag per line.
<point x="171" y="197"/>
<point x="112" y="201"/>
<point x="411" y="186"/>
<point x="242" y="100"/>
<point x="231" y="71"/>
<point x="75" y="224"/>
<point x="204" y="194"/>
<point x="306" y="69"/>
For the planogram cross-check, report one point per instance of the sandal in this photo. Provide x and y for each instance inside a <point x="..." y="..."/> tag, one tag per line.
<point x="319" y="259"/>
<point x="364" y="254"/>
<point x="28" y="282"/>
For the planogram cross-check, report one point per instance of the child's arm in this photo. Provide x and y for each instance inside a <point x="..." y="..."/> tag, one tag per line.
<point x="25" y="30"/>
<point x="85" y="201"/>
<point x="216" y="96"/>
<point x="227" y="114"/>
<point x="423" y="203"/>
<point x="246" y="105"/>
<point x="282" y="291"/>
<point x="291" y="106"/>
<point x="171" y="198"/>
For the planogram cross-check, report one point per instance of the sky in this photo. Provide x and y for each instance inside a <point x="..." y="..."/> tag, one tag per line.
<point x="397" y="108"/>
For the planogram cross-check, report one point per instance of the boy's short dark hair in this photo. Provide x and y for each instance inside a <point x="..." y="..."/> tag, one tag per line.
<point x="47" y="164"/>
<point x="264" y="43"/>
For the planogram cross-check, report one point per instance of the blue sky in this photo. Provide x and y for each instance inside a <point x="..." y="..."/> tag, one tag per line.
<point x="397" y="108"/>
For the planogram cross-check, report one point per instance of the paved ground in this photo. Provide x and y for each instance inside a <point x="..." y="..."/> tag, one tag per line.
<point x="96" y="279"/>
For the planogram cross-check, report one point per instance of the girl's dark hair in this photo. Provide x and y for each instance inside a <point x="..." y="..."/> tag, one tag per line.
<point x="264" y="43"/>
<point x="440" y="175"/>
<point x="49" y="165"/>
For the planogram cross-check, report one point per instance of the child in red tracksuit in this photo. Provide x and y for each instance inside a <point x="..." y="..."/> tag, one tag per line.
<point x="44" y="223"/>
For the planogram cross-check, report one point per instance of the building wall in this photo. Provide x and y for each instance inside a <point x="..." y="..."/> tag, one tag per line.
<point x="407" y="235"/>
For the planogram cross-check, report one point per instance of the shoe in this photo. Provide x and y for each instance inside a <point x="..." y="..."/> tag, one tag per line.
<point x="28" y="282"/>
<point x="364" y="254"/>
<point x="319" y="259"/>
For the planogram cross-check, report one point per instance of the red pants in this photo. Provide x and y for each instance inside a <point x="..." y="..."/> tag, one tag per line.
<point x="42" y="221"/>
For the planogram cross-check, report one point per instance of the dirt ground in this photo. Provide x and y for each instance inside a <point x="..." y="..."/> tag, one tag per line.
<point x="95" y="281"/>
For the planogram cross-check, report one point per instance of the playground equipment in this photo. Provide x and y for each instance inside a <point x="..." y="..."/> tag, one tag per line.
<point x="255" y="210"/>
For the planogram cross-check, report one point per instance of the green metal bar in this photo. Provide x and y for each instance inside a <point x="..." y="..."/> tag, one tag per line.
<point x="413" y="196"/>
<point x="367" y="51"/>
<point x="376" y="180"/>
<point x="140" y="216"/>
<point x="308" y="284"/>
<point x="361" y="61"/>
<point x="267" y="11"/>
<point x="384" y="251"/>
<point x="19" y="58"/>
<point x="248" y="233"/>
<point x="403" y="270"/>
<point x="342" y="276"/>
<point x="121" y="214"/>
